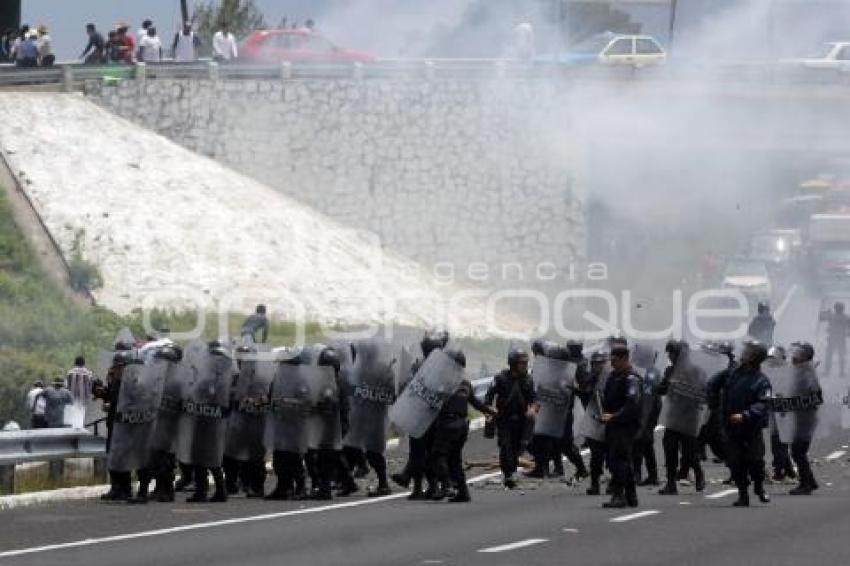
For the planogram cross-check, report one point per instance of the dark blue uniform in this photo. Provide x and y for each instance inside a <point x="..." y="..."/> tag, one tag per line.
<point x="747" y="392"/>
<point x="621" y="398"/>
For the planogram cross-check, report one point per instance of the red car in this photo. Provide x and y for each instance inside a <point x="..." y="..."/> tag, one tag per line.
<point x="296" y="45"/>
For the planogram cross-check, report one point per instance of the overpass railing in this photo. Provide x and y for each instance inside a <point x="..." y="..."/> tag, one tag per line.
<point x="72" y="75"/>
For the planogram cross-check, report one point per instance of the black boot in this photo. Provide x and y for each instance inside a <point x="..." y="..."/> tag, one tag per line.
<point x="417" y="494"/>
<point x="699" y="479"/>
<point x="440" y="493"/>
<point x="402" y="479"/>
<point x="594" y="487"/>
<point x="758" y="489"/>
<point x="743" y="498"/>
<point x="617" y="502"/>
<point x="631" y="497"/>
<point x="347" y="488"/>
<point x="462" y="495"/>
<point x="802" y="489"/>
<point x="652" y="479"/>
<point x="669" y="488"/>
<point x="279" y="494"/>
<point x="380" y="491"/>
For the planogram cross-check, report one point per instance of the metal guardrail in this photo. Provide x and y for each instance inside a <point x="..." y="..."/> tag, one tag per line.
<point x="39" y="445"/>
<point x="72" y="75"/>
<point x="52" y="445"/>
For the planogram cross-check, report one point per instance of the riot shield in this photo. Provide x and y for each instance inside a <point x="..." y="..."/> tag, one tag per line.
<point x="373" y="391"/>
<point x="136" y="415"/>
<point x="177" y="376"/>
<point x="246" y="425"/>
<point x="204" y="422"/>
<point x="554" y="383"/>
<point x="324" y="425"/>
<point x="684" y="408"/>
<point x="591" y="425"/>
<point x="711" y="362"/>
<point x="290" y="407"/>
<point x="796" y="396"/>
<point x="421" y="401"/>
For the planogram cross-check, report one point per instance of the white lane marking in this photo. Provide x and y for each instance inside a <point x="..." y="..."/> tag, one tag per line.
<point x="220" y="523"/>
<point x="633" y="516"/>
<point x="836" y="455"/>
<point x="514" y="545"/>
<point x="786" y="301"/>
<point x="719" y="494"/>
<point x="574" y="531"/>
<point x="684" y="503"/>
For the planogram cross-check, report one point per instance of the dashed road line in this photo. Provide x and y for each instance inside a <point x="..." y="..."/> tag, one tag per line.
<point x="835" y="455"/>
<point x="786" y="301"/>
<point x="719" y="494"/>
<point x="633" y="516"/>
<point x="514" y="545"/>
<point x="569" y="530"/>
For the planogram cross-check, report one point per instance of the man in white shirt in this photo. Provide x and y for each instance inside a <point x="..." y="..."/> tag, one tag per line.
<point x="36" y="404"/>
<point x="143" y="31"/>
<point x="224" y="45"/>
<point x="186" y="44"/>
<point x="150" y="47"/>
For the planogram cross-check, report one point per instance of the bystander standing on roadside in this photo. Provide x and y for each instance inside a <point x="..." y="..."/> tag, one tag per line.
<point x="35" y="405"/>
<point x="224" y="45"/>
<point x="150" y="47"/>
<point x="95" y="51"/>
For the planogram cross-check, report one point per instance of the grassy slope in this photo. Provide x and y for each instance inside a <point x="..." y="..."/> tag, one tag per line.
<point x="41" y="331"/>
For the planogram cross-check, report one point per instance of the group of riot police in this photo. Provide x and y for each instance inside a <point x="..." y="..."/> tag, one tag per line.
<point x="324" y="412"/>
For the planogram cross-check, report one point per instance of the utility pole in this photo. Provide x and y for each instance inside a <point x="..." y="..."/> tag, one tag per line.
<point x="672" y="29"/>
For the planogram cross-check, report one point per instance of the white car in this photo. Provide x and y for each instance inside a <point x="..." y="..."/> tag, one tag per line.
<point x="613" y="49"/>
<point x="835" y="56"/>
<point x="750" y="277"/>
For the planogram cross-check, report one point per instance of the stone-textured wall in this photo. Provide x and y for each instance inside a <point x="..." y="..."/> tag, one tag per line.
<point x="448" y="170"/>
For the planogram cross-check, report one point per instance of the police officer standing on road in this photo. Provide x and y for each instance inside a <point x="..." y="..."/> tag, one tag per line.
<point x="805" y="382"/>
<point x="762" y="325"/>
<point x="621" y="415"/>
<point x="681" y="373"/>
<point x="567" y="444"/>
<point x="450" y="432"/>
<point x="742" y="395"/>
<point x="837" y="331"/>
<point x="513" y="392"/>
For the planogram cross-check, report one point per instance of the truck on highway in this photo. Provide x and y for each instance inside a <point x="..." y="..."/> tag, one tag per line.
<point x="828" y="252"/>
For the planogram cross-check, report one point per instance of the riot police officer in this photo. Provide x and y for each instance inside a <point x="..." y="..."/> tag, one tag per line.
<point x="621" y="415"/>
<point x="742" y="396"/>
<point x="513" y="393"/>
<point x="450" y="432"/>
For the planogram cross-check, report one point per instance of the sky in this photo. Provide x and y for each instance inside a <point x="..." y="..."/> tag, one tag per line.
<point x="67" y="19"/>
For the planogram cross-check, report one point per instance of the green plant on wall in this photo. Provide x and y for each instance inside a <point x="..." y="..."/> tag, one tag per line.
<point x="84" y="276"/>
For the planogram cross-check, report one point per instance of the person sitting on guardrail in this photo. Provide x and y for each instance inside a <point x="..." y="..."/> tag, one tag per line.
<point x="46" y="58"/>
<point x="95" y="50"/>
<point x="26" y="51"/>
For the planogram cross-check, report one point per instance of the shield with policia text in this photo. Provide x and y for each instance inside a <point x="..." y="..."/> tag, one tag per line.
<point x="246" y="426"/>
<point x="796" y="397"/>
<point x="438" y="378"/>
<point x="136" y="413"/>
<point x="372" y="380"/>
<point x="204" y="422"/>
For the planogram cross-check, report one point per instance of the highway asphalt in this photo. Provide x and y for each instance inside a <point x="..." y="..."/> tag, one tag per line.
<point x="543" y="523"/>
